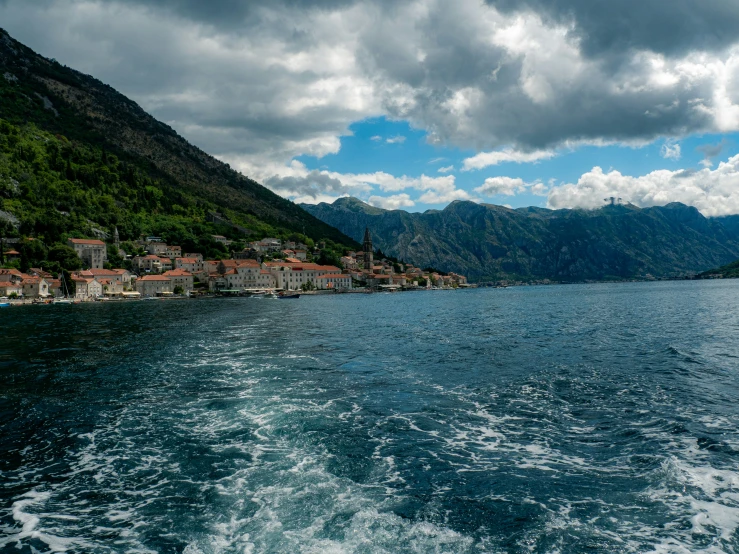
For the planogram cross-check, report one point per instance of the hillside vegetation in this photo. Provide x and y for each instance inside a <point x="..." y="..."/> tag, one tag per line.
<point x="78" y="159"/>
<point x="728" y="271"/>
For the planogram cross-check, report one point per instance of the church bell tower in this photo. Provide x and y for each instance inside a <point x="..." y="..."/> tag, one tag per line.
<point x="367" y="248"/>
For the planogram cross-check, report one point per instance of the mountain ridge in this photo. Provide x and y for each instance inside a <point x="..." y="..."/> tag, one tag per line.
<point x="490" y="242"/>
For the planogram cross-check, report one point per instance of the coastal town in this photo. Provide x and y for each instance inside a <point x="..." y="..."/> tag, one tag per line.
<point x="266" y="266"/>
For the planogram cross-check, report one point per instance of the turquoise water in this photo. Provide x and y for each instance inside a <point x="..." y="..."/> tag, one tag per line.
<point x="586" y="418"/>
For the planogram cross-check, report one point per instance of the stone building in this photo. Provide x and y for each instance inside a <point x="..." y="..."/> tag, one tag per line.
<point x="153" y="285"/>
<point x="93" y="253"/>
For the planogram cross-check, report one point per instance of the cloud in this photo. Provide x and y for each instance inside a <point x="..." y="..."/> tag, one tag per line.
<point x="711" y="151"/>
<point x="510" y="186"/>
<point x="446" y="169"/>
<point x="398" y="139"/>
<point x="670" y="151"/>
<point x="713" y="192"/>
<point x="515" y="80"/>
<point x="297" y="182"/>
<point x="376" y="138"/>
<point x="486" y="159"/>
<point x="311" y="185"/>
<point x="393" y="202"/>
<point x="444" y="197"/>
<point x="617" y="28"/>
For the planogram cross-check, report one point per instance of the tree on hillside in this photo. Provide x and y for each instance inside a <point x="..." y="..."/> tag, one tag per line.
<point x="33" y="253"/>
<point x="65" y="257"/>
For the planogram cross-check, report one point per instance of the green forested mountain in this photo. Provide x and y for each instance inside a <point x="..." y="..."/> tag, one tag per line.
<point x="728" y="271"/>
<point x="487" y="242"/>
<point x="78" y="158"/>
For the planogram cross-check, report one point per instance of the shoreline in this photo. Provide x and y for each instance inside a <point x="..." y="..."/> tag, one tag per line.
<point x="213" y="296"/>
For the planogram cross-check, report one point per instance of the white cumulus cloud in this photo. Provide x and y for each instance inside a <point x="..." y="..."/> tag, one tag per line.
<point x="670" y="151"/>
<point x="394" y="202"/>
<point x="714" y="192"/>
<point x="486" y="159"/>
<point x="510" y="186"/>
<point x="398" y="139"/>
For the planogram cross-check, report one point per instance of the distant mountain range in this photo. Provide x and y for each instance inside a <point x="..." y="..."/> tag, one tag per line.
<point x="489" y="243"/>
<point x="97" y="142"/>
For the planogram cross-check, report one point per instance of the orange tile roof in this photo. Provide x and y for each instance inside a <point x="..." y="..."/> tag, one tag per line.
<point x="154" y="278"/>
<point x="188" y="260"/>
<point x="333" y="276"/>
<point x="87" y="241"/>
<point x="177" y="273"/>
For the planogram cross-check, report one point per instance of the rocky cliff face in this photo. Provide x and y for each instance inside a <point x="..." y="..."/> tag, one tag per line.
<point x="487" y="242"/>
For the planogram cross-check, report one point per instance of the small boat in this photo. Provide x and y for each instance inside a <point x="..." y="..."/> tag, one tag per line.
<point x="4" y="304"/>
<point x="284" y="295"/>
<point x="63" y="301"/>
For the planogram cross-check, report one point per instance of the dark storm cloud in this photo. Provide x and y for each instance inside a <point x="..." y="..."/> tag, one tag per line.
<point x="313" y="185"/>
<point x="671" y="27"/>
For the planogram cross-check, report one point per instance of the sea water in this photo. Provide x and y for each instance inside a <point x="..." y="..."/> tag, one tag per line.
<point x="582" y="418"/>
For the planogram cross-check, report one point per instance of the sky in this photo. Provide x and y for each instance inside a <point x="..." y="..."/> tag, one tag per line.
<point x="412" y="104"/>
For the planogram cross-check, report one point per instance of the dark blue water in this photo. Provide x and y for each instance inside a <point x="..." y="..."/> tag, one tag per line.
<point x="598" y="418"/>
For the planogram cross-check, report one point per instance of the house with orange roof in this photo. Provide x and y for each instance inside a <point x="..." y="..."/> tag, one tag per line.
<point x="173" y="251"/>
<point x="153" y="285"/>
<point x="151" y="263"/>
<point x="120" y="276"/>
<point x="38" y="272"/>
<point x="55" y="287"/>
<point x="10" y="282"/>
<point x="92" y="252"/>
<point x="35" y="287"/>
<point x="265" y="280"/>
<point x="378" y="279"/>
<point x="110" y="287"/>
<point x="86" y="288"/>
<point x="11" y="255"/>
<point x="292" y="276"/>
<point x="194" y="266"/>
<point x="333" y="281"/>
<point x="217" y="282"/>
<point x="180" y="278"/>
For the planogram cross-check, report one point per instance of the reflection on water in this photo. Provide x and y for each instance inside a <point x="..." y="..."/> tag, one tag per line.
<point x="598" y="418"/>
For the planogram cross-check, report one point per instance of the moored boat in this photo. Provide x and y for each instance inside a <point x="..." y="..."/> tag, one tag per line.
<point x="285" y="295"/>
